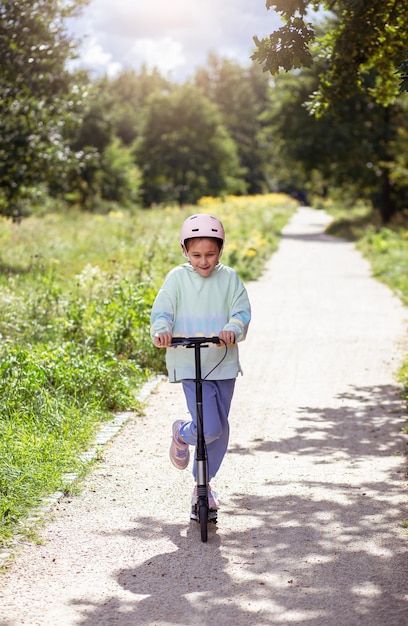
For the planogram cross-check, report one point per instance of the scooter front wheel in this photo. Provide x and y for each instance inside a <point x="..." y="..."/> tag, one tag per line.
<point x="203" y="517"/>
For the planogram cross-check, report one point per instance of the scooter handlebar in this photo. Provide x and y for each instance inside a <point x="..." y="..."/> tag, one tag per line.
<point x="191" y="341"/>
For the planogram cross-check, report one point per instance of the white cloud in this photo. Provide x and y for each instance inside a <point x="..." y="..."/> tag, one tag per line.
<point x="174" y="36"/>
<point x="97" y="58"/>
<point x="166" y="54"/>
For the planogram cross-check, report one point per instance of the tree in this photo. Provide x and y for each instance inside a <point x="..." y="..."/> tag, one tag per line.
<point x="366" y="42"/>
<point x="102" y="142"/>
<point x="103" y="167"/>
<point x="39" y="98"/>
<point x="241" y="94"/>
<point x="128" y="95"/>
<point x="354" y="149"/>
<point x="358" y="52"/>
<point x="185" y="152"/>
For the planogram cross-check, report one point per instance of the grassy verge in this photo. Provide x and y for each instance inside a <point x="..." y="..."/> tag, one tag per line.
<point x="75" y="298"/>
<point x="386" y="248"/>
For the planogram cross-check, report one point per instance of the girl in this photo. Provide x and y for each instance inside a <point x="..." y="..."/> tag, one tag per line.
<point x="202" y="298"/>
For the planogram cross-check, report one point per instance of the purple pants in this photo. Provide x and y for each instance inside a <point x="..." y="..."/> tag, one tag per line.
<point x="217" y="397"/>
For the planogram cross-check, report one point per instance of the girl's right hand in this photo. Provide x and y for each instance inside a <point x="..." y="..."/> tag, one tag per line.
<point x="162" y="340"/>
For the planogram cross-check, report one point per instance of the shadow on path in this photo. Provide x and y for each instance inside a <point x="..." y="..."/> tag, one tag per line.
<point x="294" y="567"/>
<point x="322" y="553"/>
<point x="368" y="423"/>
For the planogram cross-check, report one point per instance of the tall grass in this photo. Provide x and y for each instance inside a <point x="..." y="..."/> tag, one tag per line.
<point x="75" y="297"/>
<point x="387" y="251"/>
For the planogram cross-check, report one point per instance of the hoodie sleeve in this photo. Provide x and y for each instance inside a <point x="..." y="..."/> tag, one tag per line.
<point x="240" y="311"/>
<point x="163" y="310"/>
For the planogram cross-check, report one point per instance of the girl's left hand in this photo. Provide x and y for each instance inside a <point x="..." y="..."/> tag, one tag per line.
<point x="227" y="336"/>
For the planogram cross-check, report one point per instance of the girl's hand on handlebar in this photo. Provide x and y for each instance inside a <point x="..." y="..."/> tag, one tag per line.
<point x="227" y="336"/>
<point x="162" y="340"/>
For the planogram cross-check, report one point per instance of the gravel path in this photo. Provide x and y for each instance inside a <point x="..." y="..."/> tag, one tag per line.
<point x="312" y="489"/>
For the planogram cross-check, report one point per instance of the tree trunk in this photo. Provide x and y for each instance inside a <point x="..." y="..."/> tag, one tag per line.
<point x="387" y="208"/>
<point x="387" y="204"/>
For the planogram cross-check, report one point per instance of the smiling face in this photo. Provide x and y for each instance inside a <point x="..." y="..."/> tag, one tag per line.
<point x="203" y="254"/>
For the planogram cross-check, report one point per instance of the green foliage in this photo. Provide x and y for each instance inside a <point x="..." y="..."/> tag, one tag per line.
<point x="242" y="96"/>
<point x="39" y="99"/>
<point x="120" y="178"/>
<point x="139" y="137"/>
<point x="286" y="48"/>
<point x="358" y="148"/>
<point x="51" y="398"/>
<point x="75" y="297"/>
<point x="363" y="49"/>
<point x="185" y="151"/>
<point x="129" y="94"/>
<point x="104" y="167"/>
<point x="387" y="250"/>
<point x="403" y="73"/>
<point x="350" y="222"/>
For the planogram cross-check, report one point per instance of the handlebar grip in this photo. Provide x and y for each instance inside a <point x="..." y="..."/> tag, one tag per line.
<point x="184" y="341"/>
<point x="176" y="341"/>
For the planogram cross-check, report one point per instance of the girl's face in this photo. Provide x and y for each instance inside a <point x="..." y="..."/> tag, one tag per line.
<point x="203" y="255"/>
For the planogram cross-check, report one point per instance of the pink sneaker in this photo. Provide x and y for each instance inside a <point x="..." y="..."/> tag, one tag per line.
<point x="179" y="451"/>
<point x="213" y="505"/>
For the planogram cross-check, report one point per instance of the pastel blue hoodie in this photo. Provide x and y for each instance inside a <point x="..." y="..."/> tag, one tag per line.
<point x="190" y="305"/>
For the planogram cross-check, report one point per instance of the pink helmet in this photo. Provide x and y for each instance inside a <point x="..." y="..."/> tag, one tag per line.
<point x="202" y="225"/>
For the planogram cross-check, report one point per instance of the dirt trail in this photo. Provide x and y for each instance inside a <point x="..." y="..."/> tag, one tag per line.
<point x="312" y="489"/>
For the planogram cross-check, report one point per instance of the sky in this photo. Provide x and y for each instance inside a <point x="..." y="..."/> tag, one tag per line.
<point x="174" y="36"/>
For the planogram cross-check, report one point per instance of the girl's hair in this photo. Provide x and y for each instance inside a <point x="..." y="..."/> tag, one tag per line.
<point x="218" y="241"/>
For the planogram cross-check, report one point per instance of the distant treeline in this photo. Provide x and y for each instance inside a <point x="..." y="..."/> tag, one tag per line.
<point x="138" y="138"/>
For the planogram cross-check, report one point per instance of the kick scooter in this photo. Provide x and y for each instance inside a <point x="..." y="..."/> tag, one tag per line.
<point x="205" y="515"/>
